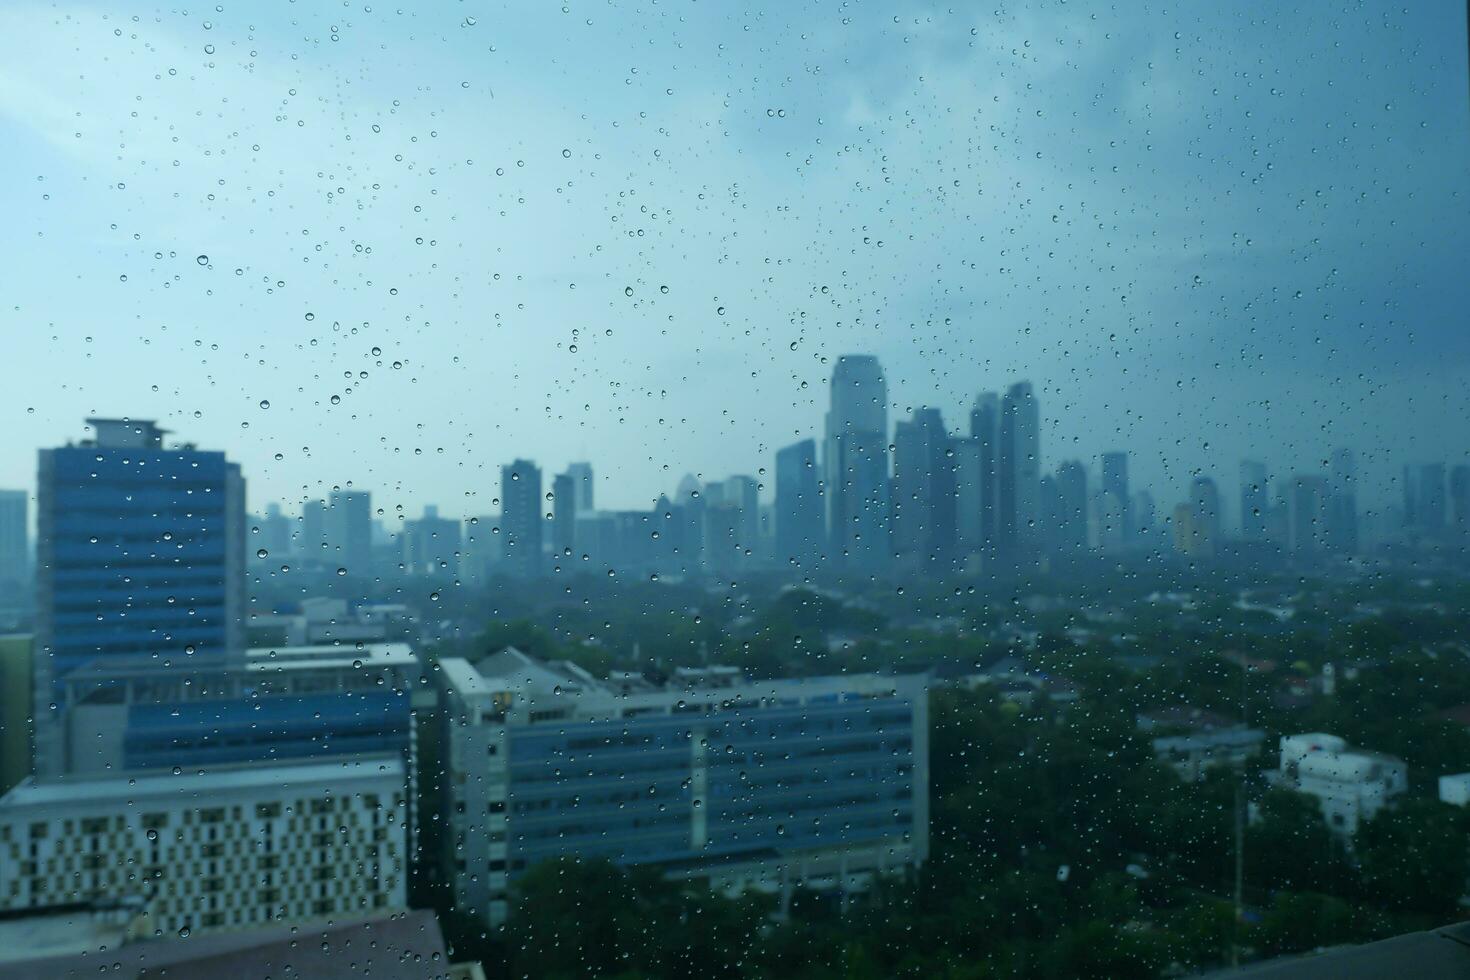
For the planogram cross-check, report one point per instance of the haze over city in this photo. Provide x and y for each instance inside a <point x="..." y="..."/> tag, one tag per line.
<point x="362" y="245"/>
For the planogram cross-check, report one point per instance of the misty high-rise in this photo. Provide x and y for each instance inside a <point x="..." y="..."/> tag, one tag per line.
<point x="349" y="530"/>
<point x="431" y="544"/>
<point x="923" y="488"/>
<point x="564" y="509"/>
<point x="1018" y="470"/>
<point x="520" y="520"/>
<point x="1341" y="534"/>
<point x="855" y="462"/>
<point x="1067" y="524"/>
<point x="1255" y="500"/>
<point x="1204" y="512"/>
<point x="1424" y="498"/>
<point x="799" y="522"/>
<point x="581" y="477"/>
<point x="15" y="552"/>
<point x="1114" y="503"/>
<point x="1308" y="515"/>
<point x="1460" y="499"/>
<point x="140" y="554"/>
<point x="985" y="431"/>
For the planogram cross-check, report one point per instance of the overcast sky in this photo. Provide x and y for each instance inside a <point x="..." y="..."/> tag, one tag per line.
<point x="400" y="244"/>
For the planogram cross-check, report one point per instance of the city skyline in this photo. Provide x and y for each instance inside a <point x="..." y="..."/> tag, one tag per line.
<point x="312" y="510"/>
<point x="1278" y="294"/>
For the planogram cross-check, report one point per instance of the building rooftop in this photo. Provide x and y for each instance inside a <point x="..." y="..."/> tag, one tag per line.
<point x="406" y="945"/>
<point x="218" y="780"/>
<point x="1225" y="738"/>
<point x="62" y="930"/>
<point x="264" y="659"/>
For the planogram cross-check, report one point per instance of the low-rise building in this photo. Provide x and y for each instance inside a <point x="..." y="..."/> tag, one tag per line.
<point x="1350" y="784"/>
<point x="274" y="704"/>
<point x="821" y="782"/>
<point x="1191" y="756"/>
<point x="1455" y="790"/>
<point x="225" y="849"/>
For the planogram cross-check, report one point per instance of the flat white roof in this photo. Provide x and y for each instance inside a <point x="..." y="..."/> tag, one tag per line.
<point x="49" y="933"/>
<point x="327" y="654"/>
<point x="214" y="781"/>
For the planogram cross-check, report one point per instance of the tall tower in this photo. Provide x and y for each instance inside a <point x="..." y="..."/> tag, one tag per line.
<point x="581" y="474"/>
<point x="1309" y="514"/>
<point x="1204" y="511"/>
<point x="520" y="520"/>
<point x="1069" y="530"/>
<point x="985" y="431"/>
<point x="1116" y="502"/>
<point x="349" y="520"/>
<point x="140" y="554"/>
<point x="923" y="488"/>
<point x="855" y="462"/>
<point x="1255" y="500"/>
<point x="798" y="504"/>
<point x="1018" y="467"/>
<point x="1460" y="499"/>
<point x="15" y="550"/>
<point x="565" y="505"/>
<point x="1342" y="504"/>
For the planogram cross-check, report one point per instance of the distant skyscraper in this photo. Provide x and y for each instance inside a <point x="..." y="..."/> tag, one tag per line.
<point x="799" y="520"/>
<point x="1204" y="499"/>
<point x="1070" y="528"/>
<point x="565" y="502"/>
<point x="313" y="541"/>
<point x="1309" y="514"/>
<point x="1342" y="504"/>
<point x="1116" y="501"/>
<point x="855" y="462"/>
<point x="431" y="544"/>
<point x="274" y="535"/>
<point x="140" y="554"/>
<point x="350" y="531"/>
<point x="581" y="474"/>
<point x="520" y="500"/>
<point x="1424" y="498"/>
<point x="1255" y="500"/>
<point x="1460" y="499"/>
<point x="968" y="482"/>
<point x="985" y="430"/>
<point x="923" y="488"/>
<point x="1141" y="509"/>
<point x="1018" y="466"/>
<point x="743" y="493"/>
<point x="15" y="549"/>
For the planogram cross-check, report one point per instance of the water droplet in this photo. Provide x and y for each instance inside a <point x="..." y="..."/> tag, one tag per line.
<point x="202" y="260"/>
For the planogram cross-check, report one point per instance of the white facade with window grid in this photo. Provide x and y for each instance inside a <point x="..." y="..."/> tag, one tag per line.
<point x="226" y="849"/>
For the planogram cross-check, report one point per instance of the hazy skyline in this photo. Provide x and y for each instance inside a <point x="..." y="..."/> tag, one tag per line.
<point x="1202" y="236"/>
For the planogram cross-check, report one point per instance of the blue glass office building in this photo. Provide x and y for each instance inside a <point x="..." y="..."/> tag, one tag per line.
<point x="140" y="553"/>
<point x="821" y="781"/>
<point x="267" y="706"/>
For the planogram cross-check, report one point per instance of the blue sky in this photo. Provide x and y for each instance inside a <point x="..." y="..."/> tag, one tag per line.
<point x="641" y="233"/>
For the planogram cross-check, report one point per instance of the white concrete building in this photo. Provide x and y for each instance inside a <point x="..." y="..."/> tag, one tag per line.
<point x="230" y="848"/>
<point x="1455" y="790"/>
<point x="1351" y="785"/>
